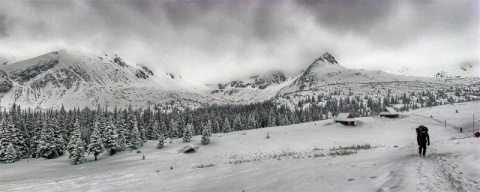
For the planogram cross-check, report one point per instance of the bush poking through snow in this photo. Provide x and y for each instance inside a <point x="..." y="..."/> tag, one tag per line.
<point x="348" y="150"/>
<point x="203" y="166"/>
<point x="353" y="147"/>
<point x="342" y="152"/>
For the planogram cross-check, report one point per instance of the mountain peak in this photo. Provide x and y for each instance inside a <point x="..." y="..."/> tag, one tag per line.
<point x="327" y="56"/>
<point x="325" y="60"/>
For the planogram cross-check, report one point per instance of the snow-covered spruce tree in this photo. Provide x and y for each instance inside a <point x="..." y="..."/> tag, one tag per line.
<point x="163" y="128"/>
<point x="10" y="134"/>
<point x="77" y="154"/>
<point x="130" y="122"/>
<point x="48" y="145"/>
<point x="4" y="139"/>
<point x="60" y="142"/>
<point x="36" y="133"/>
<point x="161" y="141"/>
<point x="226" y="126"/>
<point x="187" y="133"/>
<point x="121" y="140"/>
<point x="73" y="138"/>
<point x="135" y="140"/>
<point x="206" y="135"/>
<point x="96" y="144"/>
<point x="3" y="151"/>
<point x="252" y="122"/>
<point x="198" y="128"/>
<point x="272" y="122"/>
<point x="17" y="137"/>
<point x="209" y="126"/>
<point x="10" y="155"/>
<point x="143" y="136"/>
<point x="237" y="123"/>
<point x="111" y="138"/>
<point x="155" y="130"/>
<point x="173" y="128"/>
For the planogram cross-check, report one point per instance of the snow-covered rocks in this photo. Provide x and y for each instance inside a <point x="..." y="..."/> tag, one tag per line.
<point x="189" y="148"/>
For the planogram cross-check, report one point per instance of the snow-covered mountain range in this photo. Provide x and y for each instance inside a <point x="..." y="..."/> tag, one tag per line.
<point x="80" y="79"/>
<point x="74" y="79"/>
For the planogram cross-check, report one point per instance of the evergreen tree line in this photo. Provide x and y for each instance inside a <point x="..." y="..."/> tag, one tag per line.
<point x="49" y="133"/>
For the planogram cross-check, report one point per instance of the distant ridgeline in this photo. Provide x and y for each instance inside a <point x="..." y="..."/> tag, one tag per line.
<point x="28" y="133"/>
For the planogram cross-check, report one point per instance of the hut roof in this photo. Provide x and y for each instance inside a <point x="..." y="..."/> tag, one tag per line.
<point x="344" y="117"/>
<point x="389" y="111"/>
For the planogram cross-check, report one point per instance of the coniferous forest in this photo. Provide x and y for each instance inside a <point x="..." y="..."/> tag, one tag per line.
<point x="35" y="133"/>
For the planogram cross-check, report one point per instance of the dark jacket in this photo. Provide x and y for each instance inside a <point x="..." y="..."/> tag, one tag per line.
<point x="422" y="136"/>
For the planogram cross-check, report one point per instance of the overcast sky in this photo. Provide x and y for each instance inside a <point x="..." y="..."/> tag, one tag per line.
<point x="211" y="41"/>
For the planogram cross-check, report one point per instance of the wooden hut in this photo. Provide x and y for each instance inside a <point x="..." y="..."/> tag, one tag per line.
<point x="389" y="112"/>
<point x="345" y="118"/>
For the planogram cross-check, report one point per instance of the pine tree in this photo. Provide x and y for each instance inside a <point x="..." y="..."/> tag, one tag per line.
<point x="135" y="140"/>
<point x="49" y="146"/>
<point x="59" y="137"/>
<point x="272" y="122"/>
<point x="226" y="126"/>
<point x="4" y="139"/>
<point x="121" y="140"/>
<point x="252" y="122"/>
<point x="237" y="123"/>
<point x="11" y="134"/>
<point x="206" y="136"/>
<point x="77" y="154"/>
<point x="163" y="128"/>
<point x="111" y="138"/>
<point x="187" y="133"/>
<point x="73" y="140"/>
<point x="155" y="130"/>
<point x="173" y="128"/>
<point x="96" y="144"/>
<point x="161" y="141"/>
<point x="130" y="125"/>
<point x="143" y="136"/>
<point x="10" y="155"/>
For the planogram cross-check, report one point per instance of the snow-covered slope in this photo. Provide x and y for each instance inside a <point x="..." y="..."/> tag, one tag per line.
<point x="256" y="88"/>
<point x="465" y="69"/>
<point x="326" y="71"/>
<point x="6" y="59"/>
<point x="82" y="79"/>
<point x="294" y="158"/>
<point x="3" y="61"/>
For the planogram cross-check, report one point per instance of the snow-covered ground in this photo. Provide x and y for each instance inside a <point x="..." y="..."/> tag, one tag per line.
<point x="294" y="158"/>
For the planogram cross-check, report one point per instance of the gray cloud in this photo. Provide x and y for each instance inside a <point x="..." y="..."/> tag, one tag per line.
<point x="3" y="26"/>
<point x="212" y="41"/>
<point x="345" y="16"/>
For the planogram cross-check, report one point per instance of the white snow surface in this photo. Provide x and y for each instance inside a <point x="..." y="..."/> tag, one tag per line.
<point x="451" y="164"/>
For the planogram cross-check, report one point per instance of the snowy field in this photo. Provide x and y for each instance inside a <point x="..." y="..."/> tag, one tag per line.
<point x="294" y="158"/>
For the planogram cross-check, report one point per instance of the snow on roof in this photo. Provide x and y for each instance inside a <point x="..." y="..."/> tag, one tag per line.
<point x="344" y="117"/>
<point x="389" y="111"/>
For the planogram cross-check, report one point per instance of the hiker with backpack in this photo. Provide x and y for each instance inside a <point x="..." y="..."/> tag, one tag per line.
<point x="423" y="139"/>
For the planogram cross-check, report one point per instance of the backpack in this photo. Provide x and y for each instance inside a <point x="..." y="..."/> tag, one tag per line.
<point x="422" y="132"/>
